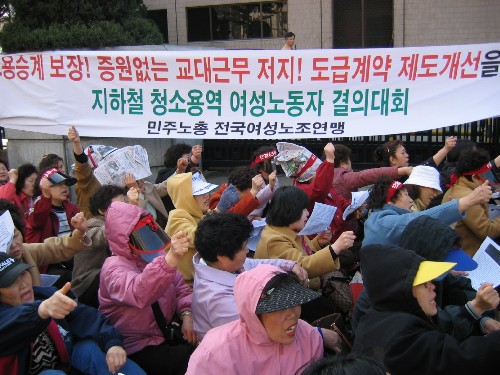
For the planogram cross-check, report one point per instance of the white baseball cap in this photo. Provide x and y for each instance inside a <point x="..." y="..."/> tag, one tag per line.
<point x="200" y="186"/>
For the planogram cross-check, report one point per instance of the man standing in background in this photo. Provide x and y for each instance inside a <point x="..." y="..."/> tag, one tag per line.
<point x="289" y="41"/>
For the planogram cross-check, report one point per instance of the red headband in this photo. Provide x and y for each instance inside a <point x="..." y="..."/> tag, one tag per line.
<point x="395" y="186"/>
<point x="484" y="168"/>
<point x="264" y="156"/>
<point x="309" y="164"/>
<point x="89" y="155"/>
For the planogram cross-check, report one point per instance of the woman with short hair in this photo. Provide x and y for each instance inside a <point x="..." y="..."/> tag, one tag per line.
<point x="239" y="194"/>
<point x="4" y="172"/>
<point x="287" y="215"/>
<point x="221" y="240"/>
<point x="20" y="189"/>
<point x="87" y="264"/>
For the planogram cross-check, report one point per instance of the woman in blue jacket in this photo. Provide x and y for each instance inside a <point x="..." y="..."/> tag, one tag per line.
<point x="43" y="331"/>
<point x="391" y="213"/>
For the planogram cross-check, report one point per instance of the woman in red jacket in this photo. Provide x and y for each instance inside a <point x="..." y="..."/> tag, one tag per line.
<point x="52" y="212"/>
<point x="20" y="189"/>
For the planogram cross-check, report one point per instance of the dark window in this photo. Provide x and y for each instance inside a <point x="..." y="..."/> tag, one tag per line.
<point x="237" y="21"/>
<point x="198" y="24"/>
<point x="362" y="23"/>
<point x="160" y="18"/>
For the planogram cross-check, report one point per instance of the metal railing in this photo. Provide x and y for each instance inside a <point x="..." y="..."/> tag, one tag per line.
<point x="227" y="154"/>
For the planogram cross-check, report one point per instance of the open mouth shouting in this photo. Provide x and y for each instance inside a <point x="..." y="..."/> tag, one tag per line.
<point x="290" y="331"/>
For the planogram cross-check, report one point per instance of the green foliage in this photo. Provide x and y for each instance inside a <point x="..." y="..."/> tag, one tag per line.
<point x="5" y="12"/>
<point x="36" y="13"/>
<point x="62" y="24"/>
<point x="101" y="34"/>
<point x="143" y="31"/>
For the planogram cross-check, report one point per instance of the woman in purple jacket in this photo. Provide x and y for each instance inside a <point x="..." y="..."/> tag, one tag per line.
<point x="131" y="282"/>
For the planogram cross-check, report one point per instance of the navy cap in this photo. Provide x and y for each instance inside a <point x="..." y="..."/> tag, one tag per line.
<point x="10" y="269"/>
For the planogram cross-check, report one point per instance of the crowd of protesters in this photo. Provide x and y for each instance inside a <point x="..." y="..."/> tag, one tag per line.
<point x="187" y="277"/>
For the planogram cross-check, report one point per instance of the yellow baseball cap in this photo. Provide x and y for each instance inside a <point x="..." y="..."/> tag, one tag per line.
<point x="428" y="271"/>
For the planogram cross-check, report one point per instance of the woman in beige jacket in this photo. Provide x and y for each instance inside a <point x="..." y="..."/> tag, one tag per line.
<point x="476" y="225"/>
<point x="52" y="250"/>
<point x="287" y="215"/>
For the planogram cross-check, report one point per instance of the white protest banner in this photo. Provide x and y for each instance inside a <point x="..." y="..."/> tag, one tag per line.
<point x="250" y="94"/>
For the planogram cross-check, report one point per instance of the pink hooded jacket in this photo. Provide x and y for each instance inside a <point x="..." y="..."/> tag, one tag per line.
<point x="244" y="347"/>
<point x="128" y="285"/>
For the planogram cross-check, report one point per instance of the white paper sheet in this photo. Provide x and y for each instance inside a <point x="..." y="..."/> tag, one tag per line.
<point x="488" y="260"/>
<point x="358" y="198"/>
<point x="6" y="232"/>
<point x="254" y="239"/>
<point x="320" y="219"/>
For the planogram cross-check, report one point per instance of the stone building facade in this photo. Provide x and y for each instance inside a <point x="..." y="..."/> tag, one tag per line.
<point x="414" y="22"/>
<point x="316" y="24"/>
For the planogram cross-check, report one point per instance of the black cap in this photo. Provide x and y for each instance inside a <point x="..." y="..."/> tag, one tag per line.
<point x="285" y="296"/>
<point x="10" y="269"/>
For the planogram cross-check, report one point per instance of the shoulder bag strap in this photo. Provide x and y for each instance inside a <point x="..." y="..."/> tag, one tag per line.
<point x="160" y="320"/>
